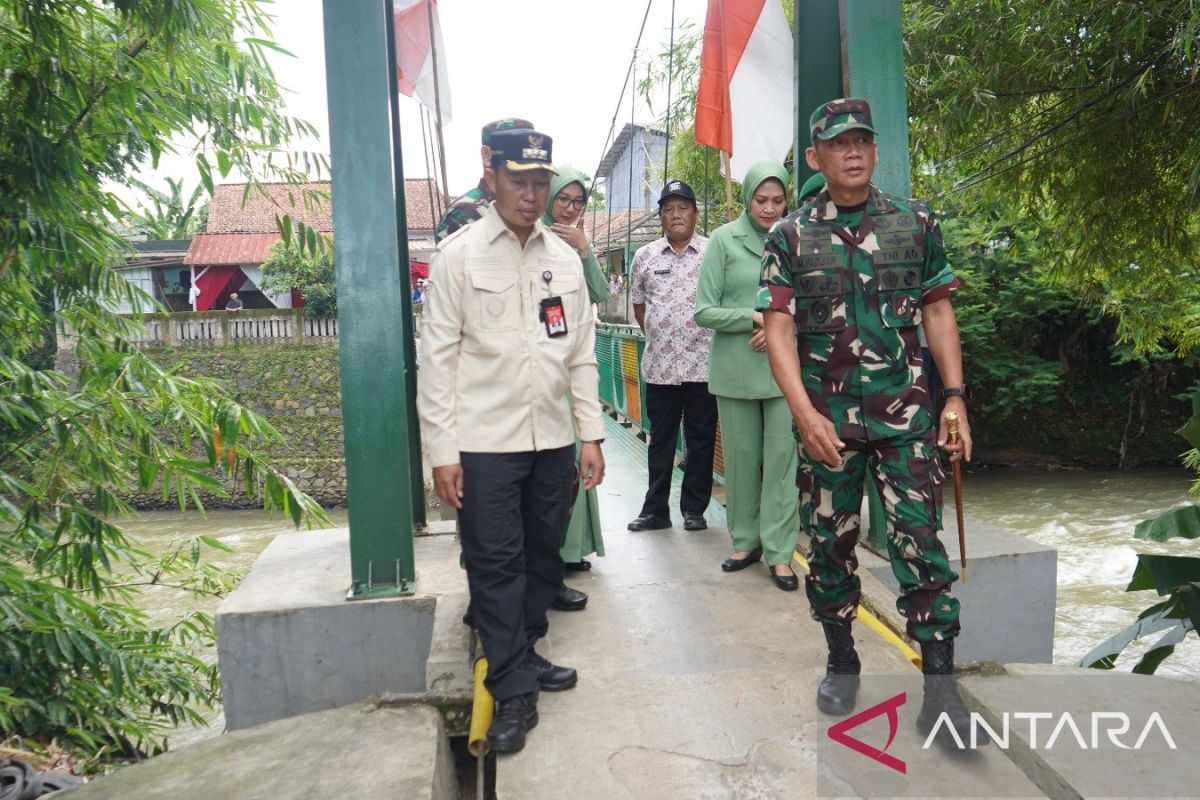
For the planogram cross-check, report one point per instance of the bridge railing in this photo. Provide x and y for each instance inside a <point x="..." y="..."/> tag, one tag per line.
<point x="247" y="326"/>
<point x="619" y="351"/>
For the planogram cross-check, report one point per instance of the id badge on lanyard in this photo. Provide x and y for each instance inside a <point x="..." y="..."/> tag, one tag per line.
<point x="551" y="311"/>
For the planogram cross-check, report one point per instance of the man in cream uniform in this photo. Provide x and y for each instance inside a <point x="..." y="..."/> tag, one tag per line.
<point x="508" y="377"/>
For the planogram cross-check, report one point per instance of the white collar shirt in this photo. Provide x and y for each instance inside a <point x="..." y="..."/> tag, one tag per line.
<point x="491" y="379"/>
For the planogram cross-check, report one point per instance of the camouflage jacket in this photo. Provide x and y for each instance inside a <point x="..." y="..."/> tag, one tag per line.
<point x="856" y="295"/>
<point x="464" y="210"/>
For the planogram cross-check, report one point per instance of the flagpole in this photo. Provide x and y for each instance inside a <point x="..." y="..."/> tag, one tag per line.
<point x="437" y="102"/>
<point x="728" y="185"/>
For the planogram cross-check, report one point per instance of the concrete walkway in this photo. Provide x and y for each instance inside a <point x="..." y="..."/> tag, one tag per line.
<point x="693" y="682"/>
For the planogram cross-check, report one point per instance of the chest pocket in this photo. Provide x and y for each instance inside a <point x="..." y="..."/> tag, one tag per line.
<point x="495" y="301"/>
<point x="898" y="284"/>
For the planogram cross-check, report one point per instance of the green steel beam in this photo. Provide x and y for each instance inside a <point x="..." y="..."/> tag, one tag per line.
<point x="818" y="70"/>
<point x="415" y="467"/>
<point x="368" y="249"/>
<point x="873" y="68"/>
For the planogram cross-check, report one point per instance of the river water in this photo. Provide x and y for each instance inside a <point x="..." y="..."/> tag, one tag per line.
<point x="1087" y="515"/>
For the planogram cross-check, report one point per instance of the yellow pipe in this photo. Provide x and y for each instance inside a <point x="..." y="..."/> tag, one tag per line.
<point x="873" y="622"/>
<point x="482" y="708"/>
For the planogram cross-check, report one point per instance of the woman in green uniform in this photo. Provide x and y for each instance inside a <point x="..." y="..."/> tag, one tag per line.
<point x="756" y="426"/>
<point x="568" y="196"/>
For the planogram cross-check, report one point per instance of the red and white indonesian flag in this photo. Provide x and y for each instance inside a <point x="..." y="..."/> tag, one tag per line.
<point x="744" y="104"/>
<point x="414" y="56"/>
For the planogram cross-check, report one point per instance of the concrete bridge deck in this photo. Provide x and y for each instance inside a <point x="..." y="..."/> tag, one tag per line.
<point x="693" y="683"/>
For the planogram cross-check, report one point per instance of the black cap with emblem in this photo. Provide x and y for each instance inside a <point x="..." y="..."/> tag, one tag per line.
<point x="676" y="189"/>
<point x="519" y="150"/>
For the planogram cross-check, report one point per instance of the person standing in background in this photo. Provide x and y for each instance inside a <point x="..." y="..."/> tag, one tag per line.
<point x="756" y="425"/>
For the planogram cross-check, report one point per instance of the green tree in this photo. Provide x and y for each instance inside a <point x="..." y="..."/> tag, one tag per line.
<point x="169" y="215"/>
<point x="310" y="273"/>
<point x="1079" y="117"/>
<point x="92" y="92"/>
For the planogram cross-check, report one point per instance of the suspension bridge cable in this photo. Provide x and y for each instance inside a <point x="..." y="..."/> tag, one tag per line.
<point x="670" y="74"/>
<point x="1112" y="90"/>
<point x="981" y="177"/>
<point x="621" y="100"/>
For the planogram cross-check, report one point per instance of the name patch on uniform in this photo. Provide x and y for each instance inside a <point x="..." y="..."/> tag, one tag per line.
<point x="816" y="262"/>
<point x="897" y="255"/>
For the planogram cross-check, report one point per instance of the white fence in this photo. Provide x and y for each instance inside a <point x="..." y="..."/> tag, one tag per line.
<point x="236" y="327"/>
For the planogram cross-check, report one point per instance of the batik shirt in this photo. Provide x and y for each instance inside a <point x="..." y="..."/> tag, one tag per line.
<point x="665" y="282"/>
<point x="855" y="282"/>
<point x="464" y="210"/>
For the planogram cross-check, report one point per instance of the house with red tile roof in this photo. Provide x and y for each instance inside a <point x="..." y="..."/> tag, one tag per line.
<point x="243" y="224"/>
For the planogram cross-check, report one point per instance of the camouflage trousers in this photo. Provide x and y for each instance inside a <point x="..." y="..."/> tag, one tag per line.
<point x="909" y="476"/>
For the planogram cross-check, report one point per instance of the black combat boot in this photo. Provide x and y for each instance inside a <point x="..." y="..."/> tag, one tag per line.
<point x="515" y="716"/>
<point x="942" y="698"/>
<point x="838" y="691"/>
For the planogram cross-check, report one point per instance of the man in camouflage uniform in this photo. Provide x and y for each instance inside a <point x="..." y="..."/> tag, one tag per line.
<point x="470" y="206"/>
<point x="847" y="280"/>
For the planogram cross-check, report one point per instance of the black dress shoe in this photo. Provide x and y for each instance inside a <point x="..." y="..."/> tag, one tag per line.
<point x="515" y="717"/>
<point x="569" y="599"/>
<point x="649" y="522"/>
<point x="789" y="583"/>
<point x="694" y="522"/>
<point x="582" y="565"/>
<point x="550" y="677"/>
<point x="732" y="564"/>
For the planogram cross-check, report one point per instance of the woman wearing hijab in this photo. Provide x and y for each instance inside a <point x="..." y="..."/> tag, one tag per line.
<point x="756" y="426"/>
<point x="568" y="196"/>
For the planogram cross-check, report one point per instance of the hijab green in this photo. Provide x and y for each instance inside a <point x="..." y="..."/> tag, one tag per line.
<point x="565" y="177"/>
<point x="755" y="176"/>
<point x="597" y="285"/>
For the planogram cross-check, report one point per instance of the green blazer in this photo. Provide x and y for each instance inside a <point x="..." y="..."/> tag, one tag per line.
<point x="725" y="299"/>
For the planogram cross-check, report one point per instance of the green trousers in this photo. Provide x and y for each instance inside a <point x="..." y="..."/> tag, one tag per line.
<point x="583" y="530"/>
<point x="909" y="476"/>
<point x="760" y="476"/>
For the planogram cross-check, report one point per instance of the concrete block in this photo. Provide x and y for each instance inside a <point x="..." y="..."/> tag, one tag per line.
<point x="355" y="751"/>
<point x="1009" y="600"/>
<point x="289" y="642"/>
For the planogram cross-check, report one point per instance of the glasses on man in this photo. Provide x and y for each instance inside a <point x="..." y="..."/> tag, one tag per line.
<point x="568" y="201"/>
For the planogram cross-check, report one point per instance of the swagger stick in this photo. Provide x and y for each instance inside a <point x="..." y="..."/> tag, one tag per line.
<point x="955" y="466"/>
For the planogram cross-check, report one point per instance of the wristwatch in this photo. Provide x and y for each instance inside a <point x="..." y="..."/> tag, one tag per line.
<point x="594" y="441"/>
<point x="963" y="391"/>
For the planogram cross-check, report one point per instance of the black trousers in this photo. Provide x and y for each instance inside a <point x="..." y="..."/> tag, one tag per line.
<point x="512" y="523"/>
<point x="665" y="406"/>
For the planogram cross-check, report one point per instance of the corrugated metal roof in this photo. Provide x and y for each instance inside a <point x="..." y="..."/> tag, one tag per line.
<point x="230" y="248"/>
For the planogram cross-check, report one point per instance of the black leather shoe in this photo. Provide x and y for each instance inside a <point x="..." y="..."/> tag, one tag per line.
<point x="694" y="522"/>
<point x="515" y="717"/>
<point x="649" y="522"/>
<point x="551" y="677"/>
<point x="789" y="583"/>
<point x="582" y="565"/>
<point x="569" y="599"/>
<point x="732" y="564"/>
<point x="838" y="693"/>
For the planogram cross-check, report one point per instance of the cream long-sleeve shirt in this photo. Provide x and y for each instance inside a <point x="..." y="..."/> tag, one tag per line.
<point x="491" y="380"/>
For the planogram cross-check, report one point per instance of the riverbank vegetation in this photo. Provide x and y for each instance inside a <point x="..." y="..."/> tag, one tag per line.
<point x="93" y="92"/>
